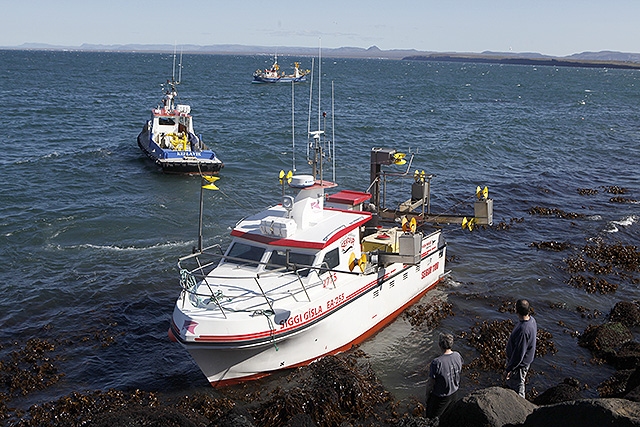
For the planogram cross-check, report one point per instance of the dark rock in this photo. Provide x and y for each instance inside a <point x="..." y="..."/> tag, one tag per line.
<point x="616" y="385"/>
<point x="568" y="390"/>
<point x="634" y="379"/>
<point x="411" y="421"/>
<point x="626" y="313"/>
<point x="236" y="418"/>
<point x="587" y="412"/>
<point x="301" y="420"/>
<point x="633" y="395"/>
<point x="626" y="357"/>
<point x="605" y="337"/>
<point x="142" y="416"/>
<point x="494" y="406"/>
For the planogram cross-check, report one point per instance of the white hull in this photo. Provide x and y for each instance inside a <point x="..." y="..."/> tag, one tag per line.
<point x="333" y="321"/>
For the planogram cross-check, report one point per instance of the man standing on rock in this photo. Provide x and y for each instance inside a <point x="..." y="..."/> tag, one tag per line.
<point x="521" y="348"/>
<point x="444" y="378"/>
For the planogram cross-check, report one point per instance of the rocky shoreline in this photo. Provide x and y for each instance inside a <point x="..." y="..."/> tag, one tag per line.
<point x="344" y="390"/>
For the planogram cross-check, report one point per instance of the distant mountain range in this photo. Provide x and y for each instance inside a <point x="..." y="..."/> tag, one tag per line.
<point x="603" y="58"/>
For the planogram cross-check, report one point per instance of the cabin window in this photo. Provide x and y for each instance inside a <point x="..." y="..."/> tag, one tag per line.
<point x="166" y="121"/>
<point x="279" y="259"/>
<point x="243" y="252"/>
<point x="331" y="260"/>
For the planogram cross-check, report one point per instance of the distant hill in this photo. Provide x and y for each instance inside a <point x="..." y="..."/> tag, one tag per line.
<point x="535" y="60"/>
<point x="603" y="58"/>
<point x="236" y="49"/>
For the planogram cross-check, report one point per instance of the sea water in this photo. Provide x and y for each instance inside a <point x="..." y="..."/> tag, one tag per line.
<point x="91" y="230"/>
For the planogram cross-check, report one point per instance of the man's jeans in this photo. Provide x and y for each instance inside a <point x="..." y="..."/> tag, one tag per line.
<point x="516" y="379"/>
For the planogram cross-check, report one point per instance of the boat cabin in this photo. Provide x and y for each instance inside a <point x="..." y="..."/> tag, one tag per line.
<point x="173" y="129"/>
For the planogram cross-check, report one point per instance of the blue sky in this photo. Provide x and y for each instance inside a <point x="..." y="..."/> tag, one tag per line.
<point x="559" y="27"/>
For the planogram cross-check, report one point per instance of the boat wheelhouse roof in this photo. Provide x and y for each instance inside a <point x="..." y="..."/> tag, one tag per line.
<point x="335" y="223"/>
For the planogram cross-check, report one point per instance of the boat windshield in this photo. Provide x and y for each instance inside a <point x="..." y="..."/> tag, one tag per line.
<point x="166" y="121"/>
<point x="244" y="254"/>
<point x="278" y="259"/>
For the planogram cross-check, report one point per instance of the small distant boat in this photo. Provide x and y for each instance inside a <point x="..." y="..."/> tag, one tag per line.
<point x="274" y="75"/>
<point x="169" y="139"/>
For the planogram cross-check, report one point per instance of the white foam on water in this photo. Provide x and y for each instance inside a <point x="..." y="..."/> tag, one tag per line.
<point x="613" y="226"/>
<point x="124" y="248"/>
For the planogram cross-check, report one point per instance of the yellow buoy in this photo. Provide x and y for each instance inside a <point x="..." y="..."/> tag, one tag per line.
<point x="362" y="262"/>
<point x="352" y="261"/>
<point x="398" y="159"/>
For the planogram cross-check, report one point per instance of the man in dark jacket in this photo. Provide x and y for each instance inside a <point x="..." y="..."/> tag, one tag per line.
<point x="521" y="348"/>
<point x="444" y="378"/>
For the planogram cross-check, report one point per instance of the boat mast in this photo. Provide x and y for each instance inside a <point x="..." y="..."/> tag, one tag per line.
<point x="180" y="67"/>
<point x="293" y="127"/>
<point x="319" y="80"/>
<point x="173" y="71"/>
<point x="333" y="133"/>
<point x="310" y="98"/>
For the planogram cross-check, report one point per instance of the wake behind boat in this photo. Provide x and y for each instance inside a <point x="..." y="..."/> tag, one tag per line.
<point x="274" y="75"/>
<point x="170" y="141"/>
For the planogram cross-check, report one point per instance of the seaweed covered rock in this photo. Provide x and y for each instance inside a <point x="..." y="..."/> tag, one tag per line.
<point x="569" y="389"/>
<point x="332" y="392"/>
<point x="143" y="416"/>
<point x="587" y="412"/>
<point x="605" y="337"/>
<point x="494" y="406"/>
<point x="625" y="312"/>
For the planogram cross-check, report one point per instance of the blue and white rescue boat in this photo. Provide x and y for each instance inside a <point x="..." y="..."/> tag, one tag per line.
<point x="170" y="141"/>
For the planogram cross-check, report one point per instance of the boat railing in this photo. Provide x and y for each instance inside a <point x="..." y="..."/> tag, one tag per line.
<point x="191" y="278"/>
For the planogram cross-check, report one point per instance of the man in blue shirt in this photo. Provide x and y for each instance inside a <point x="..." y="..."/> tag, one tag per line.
<point x="521" y="348"/>
<point x="444" y="378"/>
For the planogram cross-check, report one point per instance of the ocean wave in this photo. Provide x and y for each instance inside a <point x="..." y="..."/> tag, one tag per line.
<point x="613" y="226"/>
<point x="125" y="248"/>
<point x="627" y="221"/>
<point x="36" y="159"/>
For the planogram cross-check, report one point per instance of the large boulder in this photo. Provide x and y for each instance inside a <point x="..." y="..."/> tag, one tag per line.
<point x="587" y="412"/>
<point x="569" y="389"/>
<point x="490" y="407"/>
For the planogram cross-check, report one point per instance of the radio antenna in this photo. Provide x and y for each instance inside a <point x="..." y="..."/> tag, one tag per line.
<point x="293" y="127"/>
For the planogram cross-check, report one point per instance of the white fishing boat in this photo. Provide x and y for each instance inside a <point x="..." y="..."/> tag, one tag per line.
<point x="312" y="275"/>
<point x="274" y="75"/>
<point x="300" y="280"/>
<point x="169" y="139"/>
